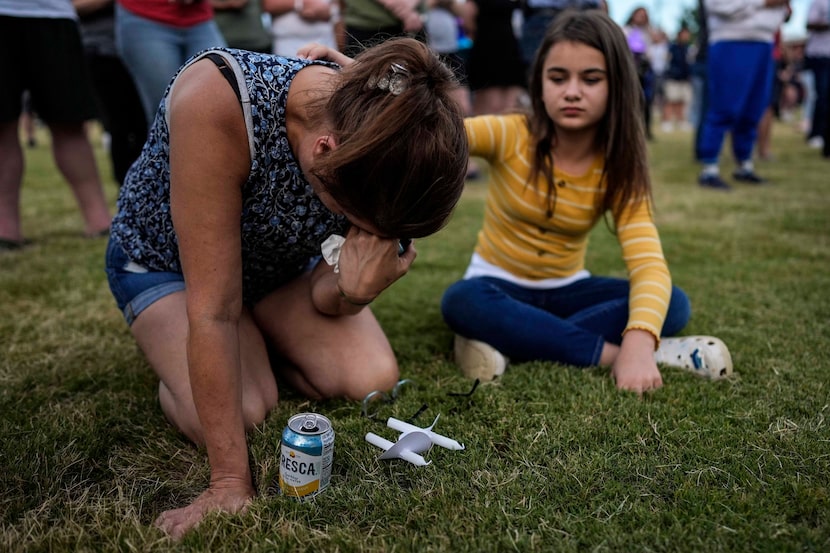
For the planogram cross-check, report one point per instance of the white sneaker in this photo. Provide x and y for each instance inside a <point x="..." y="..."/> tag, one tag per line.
<point x="816" y="143"/>
<point x="478" y="360"/>
<point x="703" y="355"/>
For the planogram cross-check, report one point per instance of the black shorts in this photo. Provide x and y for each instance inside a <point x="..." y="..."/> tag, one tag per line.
<point x="44" y="56"/>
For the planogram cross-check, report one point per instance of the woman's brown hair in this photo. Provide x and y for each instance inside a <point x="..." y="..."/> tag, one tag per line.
<point x="620" y="134"/>
<point x="402" y="150"/>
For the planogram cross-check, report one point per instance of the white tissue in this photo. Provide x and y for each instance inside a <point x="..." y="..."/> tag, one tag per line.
<point x="330" y="249"/>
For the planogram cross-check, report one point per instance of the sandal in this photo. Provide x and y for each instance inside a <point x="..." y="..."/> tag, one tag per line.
<point x="703" y="355"/>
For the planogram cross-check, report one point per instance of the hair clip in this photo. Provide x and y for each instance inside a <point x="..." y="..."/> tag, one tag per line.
<point x="394" y="81"/>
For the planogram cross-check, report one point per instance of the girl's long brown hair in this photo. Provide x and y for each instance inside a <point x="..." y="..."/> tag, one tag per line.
<point x="620" y="134"/>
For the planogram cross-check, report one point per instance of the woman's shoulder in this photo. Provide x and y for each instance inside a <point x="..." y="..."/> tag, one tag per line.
<point x="272" y="64"/>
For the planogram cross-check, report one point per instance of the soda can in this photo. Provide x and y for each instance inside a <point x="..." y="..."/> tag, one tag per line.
<point x="306" y="455"/>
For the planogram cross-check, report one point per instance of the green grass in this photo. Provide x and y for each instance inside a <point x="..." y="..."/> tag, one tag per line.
<point x="556" y="458"/>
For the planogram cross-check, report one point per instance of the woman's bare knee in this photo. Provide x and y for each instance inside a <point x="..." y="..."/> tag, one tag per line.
<point x="182" y="415"/>
<point x="382" y="375"/>
<point x="257" y="403"/>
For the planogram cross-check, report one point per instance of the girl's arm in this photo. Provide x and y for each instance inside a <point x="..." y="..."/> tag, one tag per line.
<point x="647" y="269"/>
<point x="635" y="368"/>
<point x="491" y="136"/>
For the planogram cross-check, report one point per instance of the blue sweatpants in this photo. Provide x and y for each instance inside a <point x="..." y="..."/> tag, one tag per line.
<point x="739" y="85"/>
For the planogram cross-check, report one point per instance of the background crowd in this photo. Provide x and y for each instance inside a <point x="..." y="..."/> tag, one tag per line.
<point x="118" y="56"/>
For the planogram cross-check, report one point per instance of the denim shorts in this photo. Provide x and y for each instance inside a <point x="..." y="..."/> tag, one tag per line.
<point x="134" y="287"/>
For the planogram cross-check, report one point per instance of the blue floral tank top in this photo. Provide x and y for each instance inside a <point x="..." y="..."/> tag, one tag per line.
<point x="283" y="221"/>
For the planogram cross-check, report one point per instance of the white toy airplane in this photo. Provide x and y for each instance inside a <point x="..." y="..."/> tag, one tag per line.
<point x="412" y="442"/>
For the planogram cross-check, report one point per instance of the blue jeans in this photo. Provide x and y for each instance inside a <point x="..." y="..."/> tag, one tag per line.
<point x="153" y="52"/>
<point x="566" y="325"/>
<point x="134" y="288"/>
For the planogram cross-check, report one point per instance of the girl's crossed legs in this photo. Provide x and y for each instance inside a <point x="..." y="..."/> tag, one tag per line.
<point x="568" y="325"/>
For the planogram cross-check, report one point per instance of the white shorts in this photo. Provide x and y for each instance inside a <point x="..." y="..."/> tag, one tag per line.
<point x="678" y="92"/>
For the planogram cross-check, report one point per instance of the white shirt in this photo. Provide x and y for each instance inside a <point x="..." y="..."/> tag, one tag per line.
<point x="743" y="20"/>
<point x="818" y="42"/>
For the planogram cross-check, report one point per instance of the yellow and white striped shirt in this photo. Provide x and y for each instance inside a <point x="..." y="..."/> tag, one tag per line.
<point x="519" y="238"/>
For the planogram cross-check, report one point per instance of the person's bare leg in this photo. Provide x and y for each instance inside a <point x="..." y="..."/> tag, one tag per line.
<point x="11" y="179"/>
<point x="327" y="357"/>
<point x="764" y="140"/>
<point x="161" y="332"/>
<point x="76" y="161"/>
<point x="27" y="121"/>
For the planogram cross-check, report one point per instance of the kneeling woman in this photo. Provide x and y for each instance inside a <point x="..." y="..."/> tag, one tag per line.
<point x="252" y="163"/>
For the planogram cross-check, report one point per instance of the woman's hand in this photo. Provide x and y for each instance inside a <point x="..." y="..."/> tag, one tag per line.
<point x="369" y="264"/>
<point x="635" y="369"/>
<point x="232" y="496"/>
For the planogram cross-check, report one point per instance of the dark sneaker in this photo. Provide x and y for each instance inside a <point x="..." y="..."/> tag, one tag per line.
<point x="743" y="175"/>
<point x="713" y="181"/>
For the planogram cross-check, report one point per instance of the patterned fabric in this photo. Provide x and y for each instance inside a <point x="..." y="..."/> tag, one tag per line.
<point x="519" y="237"/>
<point x="283" y="222"/>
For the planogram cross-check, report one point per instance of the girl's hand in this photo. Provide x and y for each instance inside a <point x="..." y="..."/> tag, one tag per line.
<point x="316" y="51"/>
<point x="369" y="264"/>
<point x="635" y="369"/>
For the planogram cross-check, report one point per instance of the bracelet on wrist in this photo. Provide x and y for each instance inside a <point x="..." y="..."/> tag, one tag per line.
<point x="351" y="300"/>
